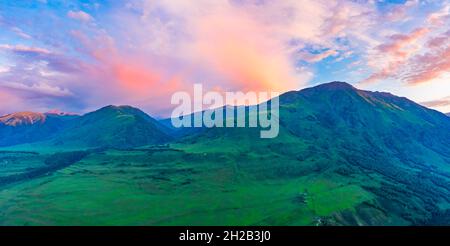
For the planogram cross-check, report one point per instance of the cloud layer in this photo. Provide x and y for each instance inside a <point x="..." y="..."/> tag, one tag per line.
<point x="85" y="55"/>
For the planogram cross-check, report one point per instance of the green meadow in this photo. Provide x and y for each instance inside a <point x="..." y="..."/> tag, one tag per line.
<point x="172" y="186"/>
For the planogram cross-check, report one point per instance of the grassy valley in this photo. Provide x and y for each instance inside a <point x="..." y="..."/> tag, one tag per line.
<point x="343" y="157"/>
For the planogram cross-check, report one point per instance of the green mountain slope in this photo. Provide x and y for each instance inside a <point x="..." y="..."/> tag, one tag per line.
<point x="343" y="157"/>
<point x="406" y="146"/>
<point x="112" y="126"/>
<point x="390" y="147"/>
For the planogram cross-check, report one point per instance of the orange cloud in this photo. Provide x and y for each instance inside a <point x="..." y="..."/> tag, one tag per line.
<point x="251" y="45"/>
<point x="242" y="52"/>
<point x="225" y="47"/>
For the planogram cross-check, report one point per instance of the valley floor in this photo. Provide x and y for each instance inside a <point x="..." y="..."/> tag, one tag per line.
<point x="176" y="186"/>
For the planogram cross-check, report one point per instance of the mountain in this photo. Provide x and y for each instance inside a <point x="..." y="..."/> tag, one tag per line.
<point x="377" y="118"/>
<point x="112" y="126"/>
<point x="338" y="108"/>
<point x="343" y="156"/>
<point x="340" y="121"/>
<point x="28" y="127"/>
<point x="393" y="149"/>
<point x="22" y="118"/>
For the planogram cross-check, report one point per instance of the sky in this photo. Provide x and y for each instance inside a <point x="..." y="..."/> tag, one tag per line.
<point x="77" y="56"/>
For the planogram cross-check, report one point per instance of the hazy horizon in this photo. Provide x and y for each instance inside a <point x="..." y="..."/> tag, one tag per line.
<point x="160" y="117"/>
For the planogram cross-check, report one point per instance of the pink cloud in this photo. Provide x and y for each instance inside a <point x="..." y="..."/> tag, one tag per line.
<point x="79" y="15"/>
<point x="120" y="76"/>
<point x="416" y="57"/>
<point x="318" y="57"/>
<point x="400" y="12"/>
<point x="9" y="103"/>
<point x="23" y="48"/>
<point x="429" y="66"/>
<point x="442" y="102"/>
<point x="225" y="48"/>
<point x="239" y="50"/>
<point x="440" y="41"/>
<point x="432" y="64"/>
<point x="37" y="89"/>
<point x="441" y="17"/>
<point x="391" y="56"/>
<point x="142" y="54"/>
<point x="20" y="33"/>
<point x="231" y="46"/>
<point x="400" y="41"/>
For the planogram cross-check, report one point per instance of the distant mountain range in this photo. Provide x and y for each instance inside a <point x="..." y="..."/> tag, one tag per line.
<point x="29" y="127"/>
<point x="23" y="118"/>
<point x="367" y="157"/>
<point x="111" y="126"/>
<point x="335" y="106"/>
